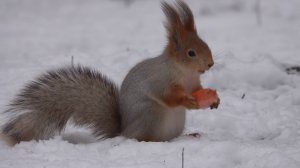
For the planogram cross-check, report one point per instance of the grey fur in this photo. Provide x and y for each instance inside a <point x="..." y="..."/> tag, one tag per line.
<point x="144" y="114"/>
<point x="51" y="100"/>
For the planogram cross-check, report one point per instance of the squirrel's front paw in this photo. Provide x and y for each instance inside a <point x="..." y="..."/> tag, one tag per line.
<point x="215" y="105"/>
<point x="190" y="103"/>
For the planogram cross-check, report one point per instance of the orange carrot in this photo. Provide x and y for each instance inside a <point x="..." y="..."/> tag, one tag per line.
<point x="205" y="97"/>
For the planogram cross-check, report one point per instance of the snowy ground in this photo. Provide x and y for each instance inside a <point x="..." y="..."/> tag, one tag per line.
<point x="256" y="125"/>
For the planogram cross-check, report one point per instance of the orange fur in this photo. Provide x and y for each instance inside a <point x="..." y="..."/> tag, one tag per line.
<point x="182" y="37"/>
<point x="177" y="97"/>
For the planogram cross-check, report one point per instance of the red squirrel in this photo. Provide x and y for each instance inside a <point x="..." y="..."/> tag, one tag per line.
<point x="149" y="106"/>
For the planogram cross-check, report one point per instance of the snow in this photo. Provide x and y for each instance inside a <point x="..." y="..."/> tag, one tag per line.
<point x="256" y="125"/>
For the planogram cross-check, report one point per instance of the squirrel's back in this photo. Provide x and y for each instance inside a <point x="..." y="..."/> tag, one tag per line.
<point x="45" y="105"/>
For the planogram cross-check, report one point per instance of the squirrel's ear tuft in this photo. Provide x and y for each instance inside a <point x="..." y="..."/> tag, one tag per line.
<point x="186" y="16"/>
<point x="180" y="21"/>
<point x="174" y="26"/>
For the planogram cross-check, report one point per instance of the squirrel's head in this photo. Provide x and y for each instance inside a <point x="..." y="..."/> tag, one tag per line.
<point x="184" y="45"/>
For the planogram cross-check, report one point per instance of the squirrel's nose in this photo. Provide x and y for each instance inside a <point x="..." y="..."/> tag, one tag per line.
<point x="210" y="64"/>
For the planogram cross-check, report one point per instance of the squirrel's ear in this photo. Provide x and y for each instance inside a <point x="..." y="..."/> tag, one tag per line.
<point x="174" y="26"/>
<point x="186" y="16"/>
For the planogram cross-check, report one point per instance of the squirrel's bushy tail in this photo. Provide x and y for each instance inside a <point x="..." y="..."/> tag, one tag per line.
<point x="45" y="105"/>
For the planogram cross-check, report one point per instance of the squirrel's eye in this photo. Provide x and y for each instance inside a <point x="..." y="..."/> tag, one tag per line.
<point x="191" y="53"/>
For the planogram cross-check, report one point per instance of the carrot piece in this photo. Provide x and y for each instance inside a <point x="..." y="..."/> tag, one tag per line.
<point x="205" y="97"/>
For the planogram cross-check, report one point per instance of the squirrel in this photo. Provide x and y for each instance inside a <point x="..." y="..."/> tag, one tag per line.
<point x="150" y="105"/>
